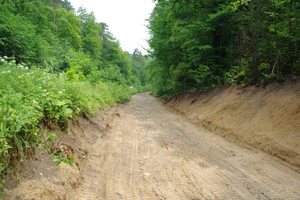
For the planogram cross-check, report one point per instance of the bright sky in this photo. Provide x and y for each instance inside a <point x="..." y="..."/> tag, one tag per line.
<point x="125" y="18"/>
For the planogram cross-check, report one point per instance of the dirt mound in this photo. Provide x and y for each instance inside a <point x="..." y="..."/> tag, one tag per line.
<point x="41" y="178"/>
<point x="264" y="118"/>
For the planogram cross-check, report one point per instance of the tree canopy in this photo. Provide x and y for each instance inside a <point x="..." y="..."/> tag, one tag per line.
<point x="50" y="34"/>
<point x="198" y="44"/>
<point x="56" y="64"/>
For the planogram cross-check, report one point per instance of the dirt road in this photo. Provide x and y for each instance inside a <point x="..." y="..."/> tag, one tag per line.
<point x="151" y="153"/>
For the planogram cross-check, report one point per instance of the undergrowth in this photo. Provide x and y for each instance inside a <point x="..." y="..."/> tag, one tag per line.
<point x="30" y="97"/>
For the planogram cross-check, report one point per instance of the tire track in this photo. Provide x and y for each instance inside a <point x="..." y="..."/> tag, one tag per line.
<point x="244" y="184"/>
<point x="151" y="153"/>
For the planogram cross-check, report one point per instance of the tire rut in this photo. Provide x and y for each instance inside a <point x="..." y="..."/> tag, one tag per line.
<point x="151" y="153"/>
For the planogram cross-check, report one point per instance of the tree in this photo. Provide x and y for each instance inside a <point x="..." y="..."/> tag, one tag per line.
<point x="68" y="28"/>
<point x="47" y="34"/>
<point x="111" y="47"/>
<point x="199" y="44"/>
<point x="138" y="66"/>
<point x="91" y="41"/>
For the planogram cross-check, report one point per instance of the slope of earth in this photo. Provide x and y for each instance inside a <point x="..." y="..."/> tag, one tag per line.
<point x="264" y="118"/>
<point x="40" y="178"/>
<point x="149" y="152"/>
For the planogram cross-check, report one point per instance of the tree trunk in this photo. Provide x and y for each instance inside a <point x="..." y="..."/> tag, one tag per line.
<point x="296" y="39"/>
<point x="290" y="38"/>
<point x="296" y="43"/>
<point x="54" y="12"/>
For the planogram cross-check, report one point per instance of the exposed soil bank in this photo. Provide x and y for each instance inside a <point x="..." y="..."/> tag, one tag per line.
<point x="41" y="178"/>
<point x="141" y="151"/>
<point x="264" y="118"/>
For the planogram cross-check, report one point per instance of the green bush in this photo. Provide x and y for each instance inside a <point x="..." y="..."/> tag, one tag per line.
<point x="31" y="96"/>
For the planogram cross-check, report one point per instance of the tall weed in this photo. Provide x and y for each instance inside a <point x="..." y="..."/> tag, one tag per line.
<point x="32" y="96"/>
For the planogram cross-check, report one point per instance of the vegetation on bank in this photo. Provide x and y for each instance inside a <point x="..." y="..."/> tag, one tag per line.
<point x="56" y="63"/>
<point x="33" y="97"/>
<point x="199" y="44"/>
<point x="75" y="65"/>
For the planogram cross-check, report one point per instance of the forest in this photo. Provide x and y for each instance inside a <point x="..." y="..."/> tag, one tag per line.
<point x="56" y="63"/>
<point x="200" y="44"/>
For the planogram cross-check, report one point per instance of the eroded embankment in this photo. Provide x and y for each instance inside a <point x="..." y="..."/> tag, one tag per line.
<point x="41" y="178"/>
<point x="141" y="150"/>
<point x="264" y="118"/>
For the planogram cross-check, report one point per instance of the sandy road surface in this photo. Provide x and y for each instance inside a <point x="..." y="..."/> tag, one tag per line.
<point x="151" y="153"/>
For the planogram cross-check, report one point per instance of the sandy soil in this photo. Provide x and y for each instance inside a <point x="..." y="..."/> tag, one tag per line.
<point x="147" y="152"/>
<point x="264" y="118"/>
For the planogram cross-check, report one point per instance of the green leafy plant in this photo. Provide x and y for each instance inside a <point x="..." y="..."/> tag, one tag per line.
<point x="1" y="185"/>
<point x="49" y="139"/>
<point x="59" y="159"/>
<point x="30" y="97"/>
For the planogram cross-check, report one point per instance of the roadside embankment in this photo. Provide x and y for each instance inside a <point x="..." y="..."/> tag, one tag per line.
<point x="41" y="178"/>
<point x="264" y="118"/>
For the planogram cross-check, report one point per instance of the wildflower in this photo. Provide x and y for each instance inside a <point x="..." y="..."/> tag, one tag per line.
<point x="26" y="68"/>
<point x="60" y="92"/>
<point x="13" y="61"/>
<point x="28" y="74"/>
<point x="5" y="57"/>
<point x="40" y="87"/>
<point x="35" y="102"/>
<point x="45" y="90"/>
<point x="2" y="60"/>
<point x="8" y="71"/>
<point x="20" y="76"/>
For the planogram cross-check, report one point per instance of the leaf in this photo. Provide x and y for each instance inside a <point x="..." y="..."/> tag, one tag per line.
<point x="69" y="161"/>
<point x="61" y="103"/>
<point x="57" y="161"/>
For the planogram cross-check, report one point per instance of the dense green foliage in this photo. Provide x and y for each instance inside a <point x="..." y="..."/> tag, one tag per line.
<point x="75" y="42"/>
<point x="55" y="64"/>
<point x="30" y="97"/>
<point x="198" y="44"/>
